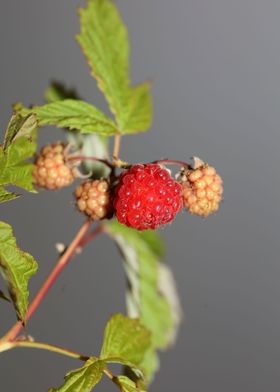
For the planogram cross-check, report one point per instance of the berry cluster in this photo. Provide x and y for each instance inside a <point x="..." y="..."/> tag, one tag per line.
<point x="51" y="170"/>
<point x="147" y="197"/>
<point x="94" y="199"/>
<point x="144" y="196"/>
<point x="202" y="190"/>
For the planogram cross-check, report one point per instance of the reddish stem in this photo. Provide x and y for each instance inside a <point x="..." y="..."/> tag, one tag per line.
<point x="61" y="264"/>
<point x="87" y="238"/>
<point x="83" y="158"/>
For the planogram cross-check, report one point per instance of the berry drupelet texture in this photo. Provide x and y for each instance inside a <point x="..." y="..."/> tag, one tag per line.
<point x="51" y="170"/>
<point x="93" y="198"/>
<point x="202" y="190"/>
<point x="146" y="197"/>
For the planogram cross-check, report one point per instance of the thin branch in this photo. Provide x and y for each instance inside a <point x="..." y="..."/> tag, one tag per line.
<point x="43" y="346"/>
<point x="61" y="264"/>
<point x="7" y="345"/>
<point x="84" y="158"/>
<point x="89" y="237"/>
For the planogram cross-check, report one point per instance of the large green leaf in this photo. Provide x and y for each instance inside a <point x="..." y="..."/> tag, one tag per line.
<point x="125" y="341"/>
<point x="19" y="145"/>
<point x="104" y="41"/>
<point x="17" y="267"/>
<point x="83" y="379"/>
<point x="147" y="297"/>
<point x="74" y="114"/>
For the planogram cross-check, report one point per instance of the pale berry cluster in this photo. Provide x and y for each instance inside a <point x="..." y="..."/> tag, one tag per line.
<point x="51" y="170"/>
<point x="93" y="197"/>
<point x="144" y="196"/>
<point x="202" y="190"/>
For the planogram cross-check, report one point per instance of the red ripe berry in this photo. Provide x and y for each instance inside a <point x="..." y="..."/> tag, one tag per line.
<point x="147" y="197"/>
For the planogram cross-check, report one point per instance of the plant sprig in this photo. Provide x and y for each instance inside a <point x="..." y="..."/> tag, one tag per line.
<point x="153" y="306"/>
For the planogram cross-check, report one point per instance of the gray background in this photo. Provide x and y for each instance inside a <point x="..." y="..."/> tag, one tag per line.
<point x="216" y="71"/>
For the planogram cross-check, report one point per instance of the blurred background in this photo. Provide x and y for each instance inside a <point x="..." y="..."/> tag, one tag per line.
<point x="215" y="66"/>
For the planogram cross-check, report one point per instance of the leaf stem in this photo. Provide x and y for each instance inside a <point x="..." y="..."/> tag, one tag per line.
<point x="108" y="374"/>
<point x="43" y="346"/>
<point x="61" y="264"/>
<point x="117" y="145"/>
<point x="8" y="345"/>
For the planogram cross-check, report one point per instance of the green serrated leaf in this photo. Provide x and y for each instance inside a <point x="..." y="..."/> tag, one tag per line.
<point x="17" y="267"/>
<point x="91" y="145"/>
<point x="104" y="41"/>
<point x="139" y="114"/>
<point x="146" y="297"/>
<point x="14" y="169"/>
<point x="125" y="341"/>
<point x="20" y="127"/>
<point x="83" y="379"/>
<point x="127" y="385"/>
<point x="74" y="114"/>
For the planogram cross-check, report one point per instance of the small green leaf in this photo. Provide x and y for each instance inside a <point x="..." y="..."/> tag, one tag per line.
<point x="146" y="296"/>
<point x="125" y="341"/>
<point x="58" y="92"/>
<point x="17" y="267"/>
<point x="83" y="379"/>
<point x="127" y="385"/>
<point x="104" y="41"/>
<point x="14" y="170"/>
<point x="74" y="114"/>
<point x="20" y="127"/>
<point x="6" y="196"/>
<point x="19" y="145"/>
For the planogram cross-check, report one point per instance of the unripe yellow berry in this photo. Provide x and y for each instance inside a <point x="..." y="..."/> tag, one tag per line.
<point x="202" y="190"/>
